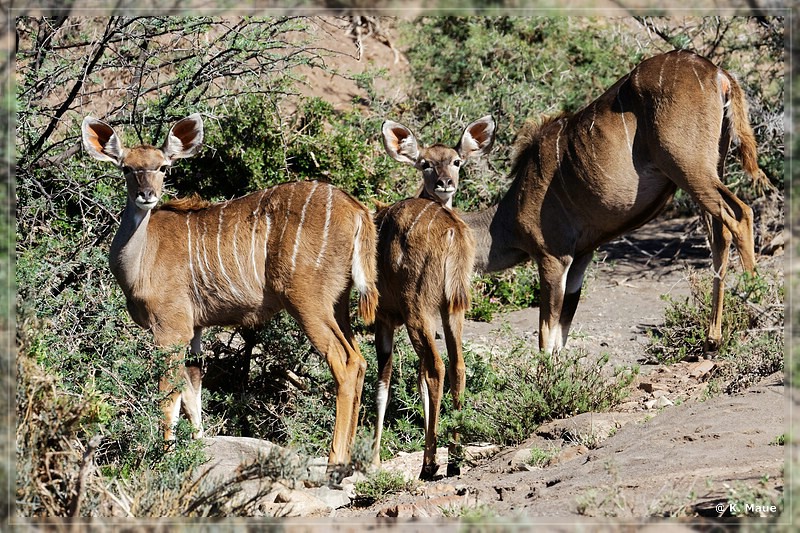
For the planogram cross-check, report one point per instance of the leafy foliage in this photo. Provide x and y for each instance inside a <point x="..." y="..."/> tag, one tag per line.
<point x="85" y="367"/>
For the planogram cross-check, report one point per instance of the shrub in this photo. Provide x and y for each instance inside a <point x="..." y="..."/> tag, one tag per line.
<point x="752" y="322"/>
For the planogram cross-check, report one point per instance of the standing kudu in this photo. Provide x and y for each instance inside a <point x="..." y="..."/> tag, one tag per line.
<point x="425" y="254"/>
<point x="192" y="264"/>
<point x="581" y="180"/>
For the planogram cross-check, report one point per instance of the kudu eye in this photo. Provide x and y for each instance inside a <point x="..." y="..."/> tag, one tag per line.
<point x="424" y="164"/>
<point x="163" y="169"/>
<point x="457" y="163"/>
<point x="126" y="169"/>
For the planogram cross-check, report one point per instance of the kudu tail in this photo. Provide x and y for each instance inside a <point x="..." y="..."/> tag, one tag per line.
<point x="459" y="259"/>
<point x="738" y="120"/>
<point x="364" y="267"/>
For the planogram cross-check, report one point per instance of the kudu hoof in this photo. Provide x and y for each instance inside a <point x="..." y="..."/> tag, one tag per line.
<point x="453" y="469"/>
<point x="428" y="472"/>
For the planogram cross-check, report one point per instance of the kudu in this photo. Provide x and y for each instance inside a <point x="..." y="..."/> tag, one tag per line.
<point x="425" y="257"/>
<point x="581" y="180"/>
<point x="191" y="264"/>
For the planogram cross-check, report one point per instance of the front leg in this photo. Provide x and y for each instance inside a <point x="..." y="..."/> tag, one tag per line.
<point x="553" y="279"/>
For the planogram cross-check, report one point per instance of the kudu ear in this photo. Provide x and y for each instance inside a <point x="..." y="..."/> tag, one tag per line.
<point x="101" y="141"/>
<point x="184" y="139"/>
<point x="400" y="143"/>
<point x="477" y="139"/>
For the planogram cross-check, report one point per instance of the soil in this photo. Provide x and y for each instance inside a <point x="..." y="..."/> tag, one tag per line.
<point x="669" y="450"/>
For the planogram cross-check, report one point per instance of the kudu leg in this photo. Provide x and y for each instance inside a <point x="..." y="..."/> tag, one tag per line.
<point x="719" y="238"/>
<point x="731" y="219"/>
<point x="572" y="293"/>
<point x="180" y="383"/>
<point x="456" y="371"/>
<point x="343" y="321"/>
<point x="348" y="367"/>
<point x="384" y="346"/>
<point x="552" y="277"/>
<point x="431" y="387"/>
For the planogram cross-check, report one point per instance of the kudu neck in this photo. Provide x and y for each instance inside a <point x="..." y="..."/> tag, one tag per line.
<point x="127" y="247"/>
<point x="493" y="229"/>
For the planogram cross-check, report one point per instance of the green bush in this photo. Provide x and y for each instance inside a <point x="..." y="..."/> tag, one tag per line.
<point x="753" y="316"/>
<point x="508" y="397"/>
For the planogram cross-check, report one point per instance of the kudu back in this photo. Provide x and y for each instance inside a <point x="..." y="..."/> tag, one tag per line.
<point x="581" y="180"/>
<point x="190" y="264"/>
<point x="425" y="263"/>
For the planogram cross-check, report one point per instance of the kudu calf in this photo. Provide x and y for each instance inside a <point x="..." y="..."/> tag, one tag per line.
<point x="425" y="255"/>
<point x="583" y="179"/>
<point x="191" y="264"/>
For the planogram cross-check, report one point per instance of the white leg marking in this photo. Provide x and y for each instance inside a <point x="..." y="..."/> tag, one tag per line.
<point x="173" y="416"/>
<point x="300" y="225"/>
<point x="328" y="208"/>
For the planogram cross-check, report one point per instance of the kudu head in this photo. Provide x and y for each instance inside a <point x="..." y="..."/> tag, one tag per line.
<point x="438" y="163"/>
<point x="143" y="166"/>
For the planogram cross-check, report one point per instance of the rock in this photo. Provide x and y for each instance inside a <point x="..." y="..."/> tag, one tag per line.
<point x="663" y="401"/>
<point x="568" y="454"/>
<point x="334" y="498"/>
<point x="701" y="369"/>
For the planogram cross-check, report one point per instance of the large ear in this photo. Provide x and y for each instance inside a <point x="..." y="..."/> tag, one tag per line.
<point x="100" y="141"/>
<point x="477" y="138"/>
<point x="400" y="143"/>
<point x="185" y="138"/>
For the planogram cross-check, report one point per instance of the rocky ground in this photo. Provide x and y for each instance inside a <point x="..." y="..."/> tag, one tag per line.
<point x="669" y="450"/>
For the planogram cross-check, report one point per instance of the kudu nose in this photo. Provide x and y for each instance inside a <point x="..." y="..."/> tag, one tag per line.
<point x="446" y="183"/>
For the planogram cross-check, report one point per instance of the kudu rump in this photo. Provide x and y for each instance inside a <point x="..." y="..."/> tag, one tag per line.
<point x="191" y="264"/>
<point x="583" y="179"/>
<point x="425" y="256"/>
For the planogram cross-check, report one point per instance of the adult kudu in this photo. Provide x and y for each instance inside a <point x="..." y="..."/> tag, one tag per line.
<point x="581" y="180"/>
<point x="191" y="264"/>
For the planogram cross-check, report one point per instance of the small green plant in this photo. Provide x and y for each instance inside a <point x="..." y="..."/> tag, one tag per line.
<point x="381" y="484"/>
<point x="540" y="456"/>
<point x="780" y="440"/>
<point x="517" y="288"/>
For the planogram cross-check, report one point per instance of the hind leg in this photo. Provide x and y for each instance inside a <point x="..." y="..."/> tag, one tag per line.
<point x="348" y="368"/>
<point x="456" y="371"/>
<point x="431" y="386"/>
<point x="384" y="345"/>
<point x="342" y="310"/>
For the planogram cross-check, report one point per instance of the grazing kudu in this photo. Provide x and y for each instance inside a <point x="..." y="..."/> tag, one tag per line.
<point x="425" y="257"/>
<point x="191" y="264"/>
<point x="581" y="180"/>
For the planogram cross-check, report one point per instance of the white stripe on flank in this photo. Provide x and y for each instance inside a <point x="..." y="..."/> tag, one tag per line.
<point x="242" y="277"/>
<point x="427" y="205"/>
<point x="702" y="88"/>
<point x="288" y="210"/>
<point x="328" y="209"/>
<point x="253" y="237"/>
<point x="624" y="122"/>
<point x="436" y="214"/>
<point x="208" y="270"/>
<point x="235" y="292"/>
<point x="300" y="225"/>
<point x="191" y="263"/>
